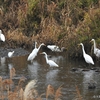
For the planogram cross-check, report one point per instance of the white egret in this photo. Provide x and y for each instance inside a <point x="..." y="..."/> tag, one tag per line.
<point x="2" y="37"/>
<point x="50" y="62"/>
<point x="10" y="54"/>
<point x="96" y="50"/>
<point x="33" y="54"/>
<point x="87" y="57"/>
<point x="53" y="47"/>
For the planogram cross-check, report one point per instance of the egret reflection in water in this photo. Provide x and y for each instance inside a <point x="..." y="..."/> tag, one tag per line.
<point x="10" y="66"/>
<point x="33" y="69"/>
<point x="3" y="65"/>
<point x="57" y="59"/>
<point x="51" y="76"/>
<point x="87" y="77"/>
<point x="3" y="59"/>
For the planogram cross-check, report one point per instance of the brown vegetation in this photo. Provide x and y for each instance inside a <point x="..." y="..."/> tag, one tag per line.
<point x="61" y="22"/>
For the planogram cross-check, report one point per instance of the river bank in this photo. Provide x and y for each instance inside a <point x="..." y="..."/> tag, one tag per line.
<point x="63" y="23"/>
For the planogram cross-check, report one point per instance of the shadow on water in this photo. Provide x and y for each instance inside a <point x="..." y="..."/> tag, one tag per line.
<point x="68" y="74"/>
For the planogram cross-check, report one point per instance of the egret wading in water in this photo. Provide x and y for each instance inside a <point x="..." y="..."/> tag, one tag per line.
<point x="33" y="54"/>
<point x="96" y="50"/>
<point x="49" y="62"/>
<point x="87" y="57"/>
<point x="10" y="54"/>
<point x="2" y="37"/>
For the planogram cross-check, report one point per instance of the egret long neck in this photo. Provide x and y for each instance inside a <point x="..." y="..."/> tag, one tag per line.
<point x="94" y="45"/>
<point x="35" y="44"/>
<point x="46" y="58"/>
<point x="83" y="50"/>
<point x="39" y="47"/>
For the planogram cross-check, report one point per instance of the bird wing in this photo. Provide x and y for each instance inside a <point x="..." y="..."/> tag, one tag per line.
<point x="89" y="59"/>
<point x="2" y="37"/>
<point x="33" y="54"/>
<point x="51" y="47"/>
<point x="9" y="54"/>
<point x="52" y="63"/>
<point x="97" y="53"/>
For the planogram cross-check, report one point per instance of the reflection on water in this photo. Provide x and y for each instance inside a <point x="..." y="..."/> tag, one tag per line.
<point x="33" y="69"/>
<point x="51" y="76"/>
<point x="45" y="75"/>
<point x="3" y="59"/>
<point x="3" y="67"/>
<point x="10" y="66"/>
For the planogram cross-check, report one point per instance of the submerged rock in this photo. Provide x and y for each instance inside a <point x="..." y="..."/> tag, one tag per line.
<point x="92" y="84"/>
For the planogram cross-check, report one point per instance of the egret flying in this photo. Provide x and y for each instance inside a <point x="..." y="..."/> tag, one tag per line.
<point x="51" y="63"/>
<point x="33" y="54"/>
<point x="87" y="57"/>
<point x="10" y="54"/>
<point x="96" y="50"/>
<point x="2" y="37"/>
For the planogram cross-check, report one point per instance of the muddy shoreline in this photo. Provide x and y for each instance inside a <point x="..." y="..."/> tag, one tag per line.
<point x="18" y="52"/>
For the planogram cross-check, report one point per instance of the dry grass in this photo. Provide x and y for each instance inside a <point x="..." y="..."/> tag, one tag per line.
<point x="16" y="38"/>
<point x="30" y="92"/>
<point x="51" y="92"/>
<point x="78" y="95"/>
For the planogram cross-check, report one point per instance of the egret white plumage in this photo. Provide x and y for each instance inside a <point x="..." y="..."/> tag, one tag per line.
<point x="33" y="54"/>
<point x="52" y="47"/>
<point x="10" y="54"/>
<point x="51" y="63"/>
<point x="96" y="50"/>
<point x="87" y="57"/>
<point x="55" y="48"/>
<point x="2" y="37"/>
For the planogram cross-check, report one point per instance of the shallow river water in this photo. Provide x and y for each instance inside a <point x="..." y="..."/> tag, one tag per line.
<point x="69" y="74"/>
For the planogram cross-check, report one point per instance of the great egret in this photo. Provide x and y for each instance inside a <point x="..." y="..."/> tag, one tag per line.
<point x="87" y="57"/>
<point x="96" y="50"/>
<point x="52" y="47"/>
<point x="50" y="62"/>
<point x="33" y="54"/>
<point x="55" y="48"/>
<point x="10" y="54"/>
<point x="2" y="37"/>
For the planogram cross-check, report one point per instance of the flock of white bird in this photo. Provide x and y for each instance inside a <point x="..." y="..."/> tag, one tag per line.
<point x="55" y="48"/>
<point x="33" y="54"/>
<point x="51" y="63"/>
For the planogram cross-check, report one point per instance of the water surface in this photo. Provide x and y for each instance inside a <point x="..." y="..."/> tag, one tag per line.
<point x="69" y="74"/>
